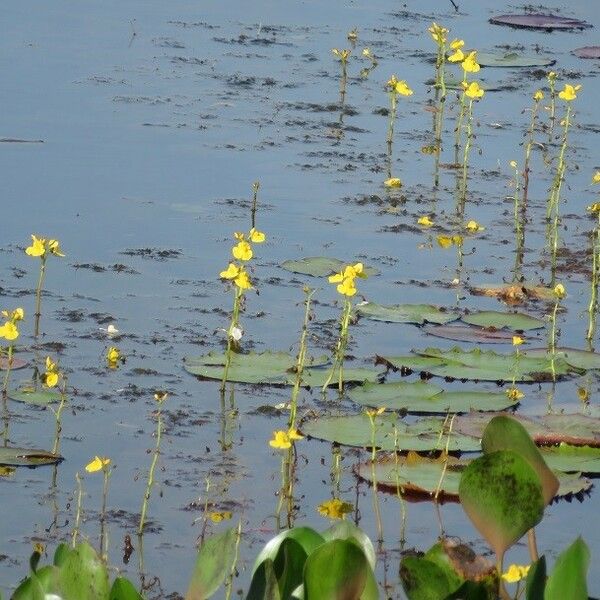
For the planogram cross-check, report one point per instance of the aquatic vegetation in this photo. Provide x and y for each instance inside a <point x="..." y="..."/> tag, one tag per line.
<point x="103" y="464"/>
<point x="594" y="209"/>
<point x="395" y="87"/>
<point x="114" y="357"/>
<point x="343" y="56"/>
<point x="10" y="332"/>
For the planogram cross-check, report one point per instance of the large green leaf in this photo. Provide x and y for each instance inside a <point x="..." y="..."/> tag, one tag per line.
<point x="513" y="59"/>
<point x="421" y="397"/>
<point x="123" y="589"/>
<point x="213" y="563"/>
<point x="420" y="476"/>
<point x="502" y="495"/>
<point x="37" y="397"/>
<point x="337" y="570"/>
<point x="346" y="530"/>
<point x="37" y="585"/>
<point x="83" y="575"/>
<point x="264" y="585"/>
<point x="536" y="580"/>
<point x="320" y="266"/>
<point x="289" y="566"/>
<point x="417" y="314"/>
<point x="483" y="365"/>
<point x="27" y="457"/>
<point x="569" y="575"/>
<point x="579" y="359"/>
<point x="423" y="579"/>
<point x="503" y="320"/>
<point x="355" y="430"/>
<point x="506" y="433"/>
<point x="276" y="368"/>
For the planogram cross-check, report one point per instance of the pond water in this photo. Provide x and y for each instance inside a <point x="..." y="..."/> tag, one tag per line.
<point x="147" y="123"/>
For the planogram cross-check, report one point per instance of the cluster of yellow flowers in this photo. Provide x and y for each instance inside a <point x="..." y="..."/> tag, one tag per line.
<point x="438" y="33"/>
<point x="242" y="251"/>
<point x="51" y="376"/>
<point x="9" y="330"/>
<point x="42" y="246"/>
<point x="345" y="279"/>
<point x="343" y="55"/>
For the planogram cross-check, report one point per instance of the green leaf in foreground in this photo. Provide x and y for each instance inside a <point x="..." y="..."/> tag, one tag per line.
<point x="569" y="575"/>
<point x="83" y="575"/>
<point x="123" y="589"/>
<point x="417" y="314"/>
<point x="27" y="457"/>
<point x="423" y="579"/>
<point x="502" y="495"/>
<point x="213" y="563"/>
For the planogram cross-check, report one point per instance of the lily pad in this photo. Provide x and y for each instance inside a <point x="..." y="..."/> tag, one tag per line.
<point x="580" y="359"/>
<point x="587" y="52"/>
<point x="17" y="363"/>
<point x="481" y="365"/>
<point x="421" y="397"/>
<point x="466" y="333"/>
<point x="503" y="320"/>
<point x="513" y="59"/>
<point x="539" y="21"/>
<point x="27" y="457"/>
<point x="275" y="368"/>
<point x="37" y="397"/>
<point x="418" y="314"/>
<point x="564" y="457"/>
<point x="355" y="430"/>
<point x="420" y="476"/>
<point x="320" y="266"/>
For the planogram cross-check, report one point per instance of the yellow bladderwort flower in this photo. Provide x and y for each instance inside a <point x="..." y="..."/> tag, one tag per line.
<point x="458" y="55"/>
<point x="474" y="227"/>
<point x="424" y="221"/>
<point x="539" y="95"/>
<point x="551" y="76"/>
<point x="438" y="33"/>
<point x="594" y="208"/>
<point x="367" y="52"/>
<point x="596" y="177"/>
<point x="37" y="248"/>
<point x="374" y="412"/>
<point x="569" y="93"/>
<point x="258" y="237"/>
<point x="231" y="272"/>
<point x="294" y="435"/>
<point x="9" y="331"/>
<point x="54" y="247"/>
<point x="160" y="396"/>
<point x="242" y="280"/>
<point x="113" y="356"/>
<point x="282" y="440"/>
<point x="517" y="340"/>
<point x="98" y="464"/>
<point x="217" y="517"/>
<point x="473" y="90"/>
<point x="343" y="55"/>
<point x="402" y="88"/>
<point x="16" y="315"/>
<point x="393" y="182"/>
<point x="514" y="394"/>
<point x="445" y="241"/>
<point x="242" y="250"/>
<point x="559" y="291"/>
<point x="335" y="508"/>
<point x="347" y="287"/>
<point x="470" y="64"/>
<point x="50" y="377"/>
<point x="515" y="573"/>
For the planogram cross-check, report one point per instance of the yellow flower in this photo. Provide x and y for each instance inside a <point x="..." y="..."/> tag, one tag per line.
<point x="9" y="331"/>
<point x="515" y="573"/>
<point x="569" y="93"/>
<point x="392" y="81"/>
<point x="258" y="237"/>
<point x="559" y="291"/>
<point x="242" y="280"/>
<point x="334" y="508"/>
<point x="54" y="247"/>
<point x="393" y="182"/>
<point x="347" y="287"/>
<point x="424" y="221"/>
<point x="374" y="412"/>
<point x="341" y="54"/>
<point x="539" y="95"/>
<point x="596" y="177"/>
<point x="514" y="394"/>
<point x="98" y="464"/>
<point x="455" y="44"/>
<point x="470" y="64"/>
<point x="367" y="52"/>
<point x="438" y="33"/>
<point x="37" y="248"/>
<point x="402" y="88"/>
<point x="356" y="270"/>
<point x="231" y="272"/>
<point x="458" y="55"/>
<point x="293" y="435"/>
<point x="113" y="356"/>
<point x="513" y="164"/>
<point x="595" y="208"/>
<point x="551" y="76"/>
<point x="217" y="517"/>
<point x="473" y="227"/>
<point x="242" y="250"/>
<point x="517" y="340"/>
<point x="160" y="396"/>
<point x="444" y="241"/>
<point x="281" y="440"/>
<point x="50" y="377"/>
<point x="473" y="91"/>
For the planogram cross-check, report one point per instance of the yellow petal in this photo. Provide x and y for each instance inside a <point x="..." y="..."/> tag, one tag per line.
<point x="393" y="182"/>
<point x="424" y="221"/>
<point x="256" y="236"/>
<point x="242" y="251"/>
<point x="231" y="272"/>
<point x="37" y="248"/>
<point x="242" y="281"/>
<point x="347" y="287"/>
<point x="9" y="331"/>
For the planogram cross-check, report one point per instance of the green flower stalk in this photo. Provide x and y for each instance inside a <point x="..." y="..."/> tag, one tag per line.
<point x="469" y="64"/>
<point x="519" y="223"/>
<point x="559" y="293"/>
<point x="395" y="88"/>
<point x="342" y="56"/>
<point x="100" y="463"/>
<point x="399" y="488"/>
<point x="372" y="413"/>
<point x="473" y="92"/>
<point x="551" y="77"/>
<point x="346" y="288"/>
<point x="160" y="397"/>
<point x="595" y="239"/>
<point x="41" y="248"/>
<point x="78" y="512"/>
<point x="537" y="98"/>
<point x="255" y="188"/>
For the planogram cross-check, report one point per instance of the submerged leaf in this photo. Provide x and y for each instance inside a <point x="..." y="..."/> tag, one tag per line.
<point x="539" y="21"/>
<point x="320" y="266"/>
<point x="466" y="333"/>
<point x="503" y="320"/>
<point x="417" y="314"/>
<point x="27" y="457"/>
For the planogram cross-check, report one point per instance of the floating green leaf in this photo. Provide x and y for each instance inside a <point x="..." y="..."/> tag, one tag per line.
<point x="421" y="397"/>
<point x="569" y="575"/>
<point x="275" y="368"/>
<point x="27" y="457"/>
<point x="502" y="495"/>
<point x="467" y="333"/>
<point x="579" y="359"/>
<point x="355" y="430"/>
<point x="417" y="314"/>
<point x="503" y="320"/>
<point x="513" y="59"/>
<point x="483" y="365"/>
<point x="568" y="458"/>
<point x="213" y="563"/>
<point x="36" y="397"/>
<point x="320" y="266"/>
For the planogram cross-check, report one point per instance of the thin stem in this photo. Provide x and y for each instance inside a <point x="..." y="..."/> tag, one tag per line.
<point x="340" y="348"/>
<point x="467" y="149"/>
<point x="150" y="482"/>
<point x="399" y="489"/>
<point x="38" y="297"/>
<point x="255" y="188"/>
<point x="235" y="317"/>
<point x="58" y="415"/>
<point x="9" y="363"/>
<point x="390" y="133"/>
<point x="532" y="545"/>
<point x="78" y="513"/>
<point x="106" y="470"/>
<point x="376" y="508"/>
<point x="229" y="584"/>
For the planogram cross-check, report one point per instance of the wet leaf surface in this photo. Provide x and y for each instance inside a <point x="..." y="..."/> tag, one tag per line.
<point x="417" y="314"/>
<point x="27" y="457"/>
<point x="320" y="266"/>
<point x="503" y="320"/>
<point x="513" y="59"/>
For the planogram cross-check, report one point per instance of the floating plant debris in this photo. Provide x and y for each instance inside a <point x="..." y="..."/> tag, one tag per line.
<point x="539" y="21"/>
